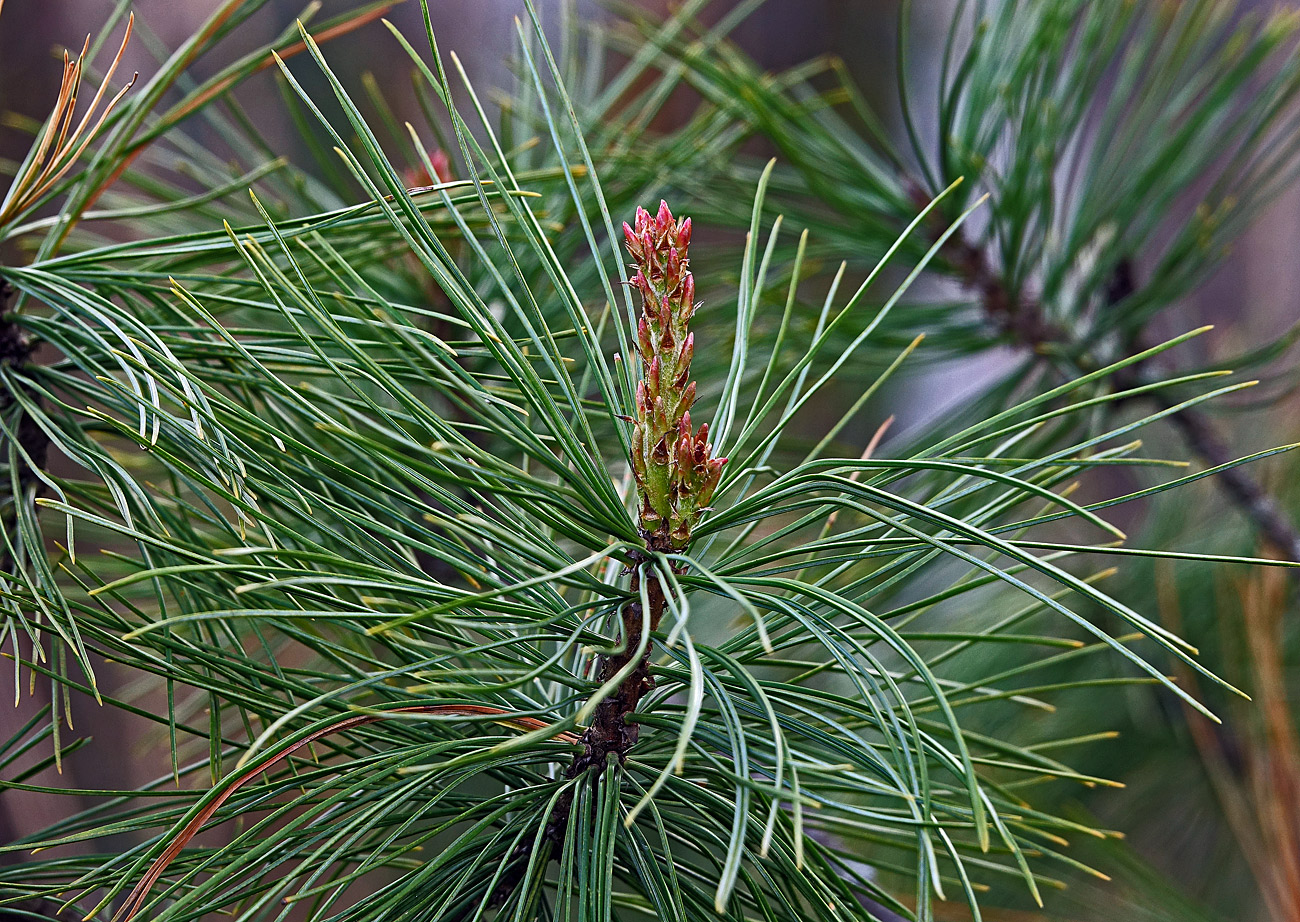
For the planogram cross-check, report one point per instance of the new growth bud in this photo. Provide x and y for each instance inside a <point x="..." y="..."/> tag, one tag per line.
<point x="676" y="473"/>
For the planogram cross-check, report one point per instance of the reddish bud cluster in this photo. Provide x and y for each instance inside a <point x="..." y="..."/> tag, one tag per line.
<point x="675" y="471"/>
<point x="418" y="177"/>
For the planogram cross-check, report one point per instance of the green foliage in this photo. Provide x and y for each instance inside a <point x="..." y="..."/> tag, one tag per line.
<point x="354" y="486"/>
<point x="1102" y="133"/>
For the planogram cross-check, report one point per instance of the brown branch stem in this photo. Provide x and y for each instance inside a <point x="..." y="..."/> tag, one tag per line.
<point x="610" y="733"/>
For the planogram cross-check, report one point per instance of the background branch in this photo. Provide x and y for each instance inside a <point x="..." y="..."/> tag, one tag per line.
<point x="1023" y="321"/>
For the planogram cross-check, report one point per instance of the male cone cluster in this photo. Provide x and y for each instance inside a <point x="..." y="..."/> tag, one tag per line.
<point x="675" y="471"/>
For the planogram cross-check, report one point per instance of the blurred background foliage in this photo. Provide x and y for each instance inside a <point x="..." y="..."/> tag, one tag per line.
<point x="1139" y="161"/>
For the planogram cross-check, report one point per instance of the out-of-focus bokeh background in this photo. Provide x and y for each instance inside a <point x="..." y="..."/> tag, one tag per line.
<point x="1254" y="296"/>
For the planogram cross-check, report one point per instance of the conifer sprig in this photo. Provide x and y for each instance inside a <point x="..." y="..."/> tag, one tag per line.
<point x="350" y="468"/>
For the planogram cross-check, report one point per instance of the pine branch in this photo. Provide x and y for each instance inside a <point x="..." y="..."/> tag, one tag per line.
<point x="1023" y="320"/>
<point x="301" y="498"/>
<point x="676" y="475"/>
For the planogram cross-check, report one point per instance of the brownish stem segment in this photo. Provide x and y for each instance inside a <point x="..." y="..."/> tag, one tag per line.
<point x="1018" y="317"/>
<point x="610" y="733"/>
